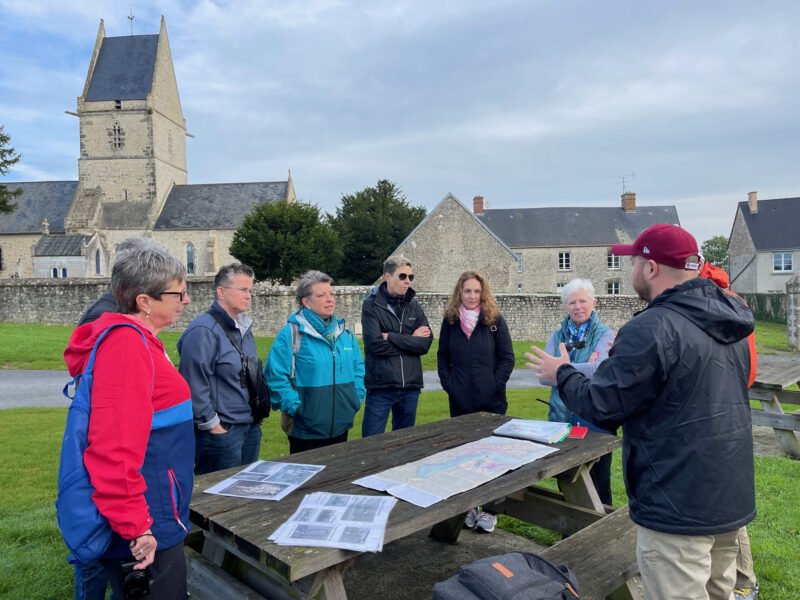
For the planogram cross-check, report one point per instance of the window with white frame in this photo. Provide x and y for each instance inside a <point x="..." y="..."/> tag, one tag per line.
<point x="612" y="287"/>
<point x="519" y="288"/>
<point x="564" y="261"/>
<point x="560" y="285"/>
<point x="781" y="262"/>
<point x="613" y="262"/>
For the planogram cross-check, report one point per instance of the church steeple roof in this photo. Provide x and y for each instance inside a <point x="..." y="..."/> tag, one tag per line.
<point x="124" y="68"/>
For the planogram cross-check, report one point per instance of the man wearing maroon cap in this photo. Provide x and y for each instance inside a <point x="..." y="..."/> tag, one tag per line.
<point x="676" y="381"/>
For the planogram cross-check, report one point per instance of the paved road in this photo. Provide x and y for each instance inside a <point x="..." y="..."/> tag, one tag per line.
<point x="43" y="388"/>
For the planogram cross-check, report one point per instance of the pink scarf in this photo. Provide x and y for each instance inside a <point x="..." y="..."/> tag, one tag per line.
<point x="469" y="319"/>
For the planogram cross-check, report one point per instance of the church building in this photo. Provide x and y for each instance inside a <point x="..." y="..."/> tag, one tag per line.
<point x="132" y="177"/>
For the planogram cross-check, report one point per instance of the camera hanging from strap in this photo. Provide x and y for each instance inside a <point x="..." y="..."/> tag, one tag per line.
<point x="251" y="375"/>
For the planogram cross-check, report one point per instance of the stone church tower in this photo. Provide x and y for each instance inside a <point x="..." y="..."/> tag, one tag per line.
<point x="132" y="177"/>
<point x="132" y="136"/>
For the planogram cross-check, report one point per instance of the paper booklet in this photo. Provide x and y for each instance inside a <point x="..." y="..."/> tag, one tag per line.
<point x="266" y="480"/>
<point x="547" y="432"/>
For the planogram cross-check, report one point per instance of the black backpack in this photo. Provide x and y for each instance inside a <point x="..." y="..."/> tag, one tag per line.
<point x="516" y="575"/>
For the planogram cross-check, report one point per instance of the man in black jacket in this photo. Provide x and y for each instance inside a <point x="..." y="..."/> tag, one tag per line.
<point x="396" y="334"/>
<point x="676" y="380"/>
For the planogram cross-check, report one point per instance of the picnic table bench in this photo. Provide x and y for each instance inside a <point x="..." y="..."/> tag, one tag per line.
<point x="772" y="379"/>
<point x="236" y="550"/>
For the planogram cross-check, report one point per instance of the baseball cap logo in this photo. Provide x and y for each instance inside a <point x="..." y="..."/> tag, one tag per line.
<point x="646" y="250"/>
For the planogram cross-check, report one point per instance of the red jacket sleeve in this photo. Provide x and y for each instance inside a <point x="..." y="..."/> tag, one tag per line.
<point x="119" y="429"/>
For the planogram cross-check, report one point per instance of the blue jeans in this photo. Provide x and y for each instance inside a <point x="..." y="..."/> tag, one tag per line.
<point x="90" y="582"/>
<point x="217" y="451"/>
<point x="402" y="404"/>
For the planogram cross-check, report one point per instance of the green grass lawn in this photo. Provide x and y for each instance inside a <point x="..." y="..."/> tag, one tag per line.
<point x="32" y="561"/>
<point x="41" y="347"/>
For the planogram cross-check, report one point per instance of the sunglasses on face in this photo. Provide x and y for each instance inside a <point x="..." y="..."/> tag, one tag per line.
<point x="576" y="346"/>
<point x="402" y="276"/>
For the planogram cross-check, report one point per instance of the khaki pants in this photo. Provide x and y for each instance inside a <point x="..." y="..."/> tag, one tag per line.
<point x="687" y="567"/>
<point x="745" y="576"/>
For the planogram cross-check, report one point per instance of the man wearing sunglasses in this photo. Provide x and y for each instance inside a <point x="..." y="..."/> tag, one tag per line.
<point x="396" y="334"/>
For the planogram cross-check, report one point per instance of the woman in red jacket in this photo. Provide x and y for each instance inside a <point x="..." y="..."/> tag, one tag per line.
<point x="141" y="439"/>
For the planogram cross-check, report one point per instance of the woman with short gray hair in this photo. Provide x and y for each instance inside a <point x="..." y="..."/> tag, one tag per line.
<point x="314" y="371"/>
<point x="587" y="341"/>
<point x="140" y="427"/>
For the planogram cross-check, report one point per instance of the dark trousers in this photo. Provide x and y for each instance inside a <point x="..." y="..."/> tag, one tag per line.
<point x="217" y="451"/>
<point x="302" y="444"/>
<point x="601" y="476"/>
<point x="167" y="574"/>
<point x="379" y="403"/>
<point x="90" y="582"/>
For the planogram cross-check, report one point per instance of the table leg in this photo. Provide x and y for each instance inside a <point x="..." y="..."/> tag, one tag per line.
<point x="330" y="583"/>
<point x="578" y="488"/>
<point x="786" y="437"/>
<point x="449" y="530"/>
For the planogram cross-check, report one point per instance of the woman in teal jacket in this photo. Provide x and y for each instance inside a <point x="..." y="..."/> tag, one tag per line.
<point x="314" y="370"/>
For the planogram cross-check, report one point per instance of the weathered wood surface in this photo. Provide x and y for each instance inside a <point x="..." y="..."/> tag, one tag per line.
<point x="776" y="375"/>
<point x="602" y="556"/>
<point x="246" y="524"/>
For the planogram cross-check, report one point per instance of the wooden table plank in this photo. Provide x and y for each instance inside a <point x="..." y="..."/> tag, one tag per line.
<point x="246" y="524"/>
<point x="776" y="375"/>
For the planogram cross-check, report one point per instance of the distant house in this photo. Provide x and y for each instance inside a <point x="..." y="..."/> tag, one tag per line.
<point x="529" y="250"/>
<point x="764" y="245"/>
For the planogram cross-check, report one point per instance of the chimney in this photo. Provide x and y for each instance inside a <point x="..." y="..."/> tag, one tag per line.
<point x="752" y="202"/>
<point x="629" y="202"/>
<point x="477" y="205"/>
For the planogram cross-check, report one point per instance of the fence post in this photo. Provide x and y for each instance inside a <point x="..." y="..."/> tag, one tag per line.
<point x="793" y="312"/>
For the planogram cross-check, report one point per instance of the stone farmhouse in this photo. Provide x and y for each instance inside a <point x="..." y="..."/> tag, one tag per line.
<point x="764" y="245"/>
<point x="132" y="177"/>
<point x="528" y="250"/>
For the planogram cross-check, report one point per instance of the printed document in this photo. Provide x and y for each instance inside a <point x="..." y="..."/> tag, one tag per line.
<point x="266" y="480"/>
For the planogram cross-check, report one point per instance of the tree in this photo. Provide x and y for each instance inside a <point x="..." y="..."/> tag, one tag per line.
<point x="283" y="240"/>
<point x="371" y="224"/>
<point x="715" y="251"/>
<point x="8" y="158"/>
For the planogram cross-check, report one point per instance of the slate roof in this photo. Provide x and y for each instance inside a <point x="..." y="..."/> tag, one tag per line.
<point x="59" y="245"/>
<point x="575" y="226"/>
<point x="39" y="200"/>
<point x="216" y="205"/>
<point x="124" y="68"/>
<point x="775" y="225"/>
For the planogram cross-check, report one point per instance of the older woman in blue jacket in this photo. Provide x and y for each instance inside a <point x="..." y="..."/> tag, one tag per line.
<point x="587" y="341"/>
<point x="314" y="370"/>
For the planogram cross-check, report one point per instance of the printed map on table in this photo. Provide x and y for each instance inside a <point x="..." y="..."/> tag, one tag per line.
<point x="434" y="478"/>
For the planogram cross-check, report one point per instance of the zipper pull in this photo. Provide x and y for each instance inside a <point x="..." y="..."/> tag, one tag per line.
<point x="569" y="587"/>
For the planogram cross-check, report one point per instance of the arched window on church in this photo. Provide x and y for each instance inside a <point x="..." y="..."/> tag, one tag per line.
<point x="1" y="259"/>
<point x="55" y="272"/>
<point x="64" y="272"/>
<point x="190" y="258"/>
<point x="97" y="262"/>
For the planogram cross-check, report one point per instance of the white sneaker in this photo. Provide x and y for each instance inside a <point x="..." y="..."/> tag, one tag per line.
<point x="472" y="517"/>
<point x="486" y="522"/>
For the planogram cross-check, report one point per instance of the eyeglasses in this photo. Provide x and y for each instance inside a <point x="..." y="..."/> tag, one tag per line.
<point x="244" y="290"/>
<point x="402" y="276"/>
<point x="576" y="346"/>
<point x="181" y="295"/>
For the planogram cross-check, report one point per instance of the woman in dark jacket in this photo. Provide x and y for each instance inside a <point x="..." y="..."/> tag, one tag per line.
<point x="476" y="355"/>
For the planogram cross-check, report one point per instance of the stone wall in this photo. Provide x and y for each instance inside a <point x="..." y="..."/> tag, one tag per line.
<point x="62" y="301"/>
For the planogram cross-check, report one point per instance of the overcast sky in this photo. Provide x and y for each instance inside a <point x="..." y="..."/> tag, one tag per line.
<point x="527" y="103"/>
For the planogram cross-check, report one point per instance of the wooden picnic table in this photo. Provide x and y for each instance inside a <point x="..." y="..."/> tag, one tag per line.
<point x="236" y="529"/>
<point x="772" y="379"/>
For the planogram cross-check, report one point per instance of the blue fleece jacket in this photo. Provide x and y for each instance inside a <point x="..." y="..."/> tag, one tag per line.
<point x="328" y="387"/>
